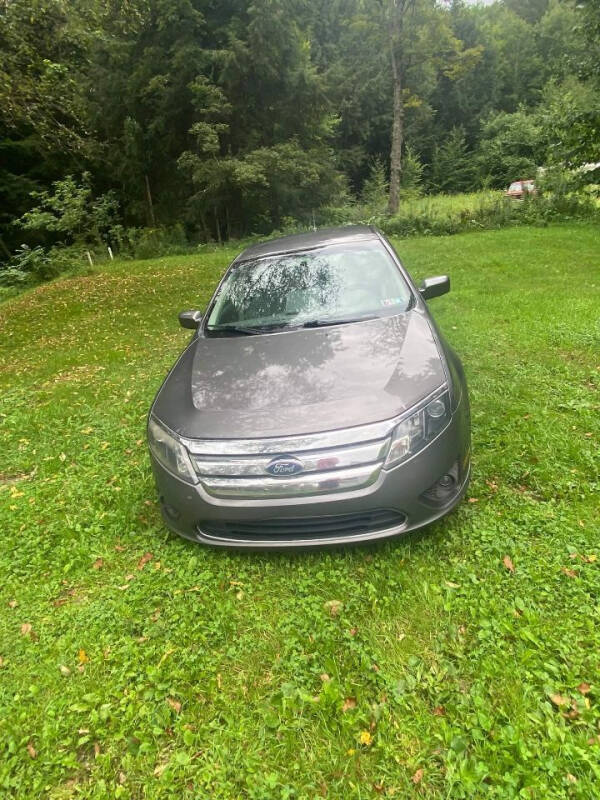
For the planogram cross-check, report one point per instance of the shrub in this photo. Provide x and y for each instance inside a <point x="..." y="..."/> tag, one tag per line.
<point x="411" y="178"/>
<point x="453" y="167"/>
<point x="511" y="147"/>
<point x="565" y="193"/>
<point x="71" y="212"/>
<point x="12" y="276"/>
<point x="445" y="214"/>
<point x="28" y="265"/>
<point x="152" y="242"/>
<point x="375" y="188"/>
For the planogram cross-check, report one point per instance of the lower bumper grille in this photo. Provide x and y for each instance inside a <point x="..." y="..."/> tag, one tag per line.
<point x="308" y="528"/>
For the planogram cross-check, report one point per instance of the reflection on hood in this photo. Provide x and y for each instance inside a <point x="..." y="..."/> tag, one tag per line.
<point x="301" y="381"/>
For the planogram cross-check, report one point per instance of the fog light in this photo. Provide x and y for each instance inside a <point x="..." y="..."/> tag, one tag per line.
<point x="444" y="489"/>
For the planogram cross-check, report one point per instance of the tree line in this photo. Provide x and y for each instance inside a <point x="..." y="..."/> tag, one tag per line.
<point x="234" y="116"/>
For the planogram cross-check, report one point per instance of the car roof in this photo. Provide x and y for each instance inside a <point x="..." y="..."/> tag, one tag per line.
<point x="306" y="241"/>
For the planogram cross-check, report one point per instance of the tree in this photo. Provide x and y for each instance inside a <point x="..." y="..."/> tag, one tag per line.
<point x="520" y="69"/>
<point x="412" y="172"/>
<point x="571" y="116"/>
<point x="44" y="130"/>
<point x="453" y="168"/>
<point x="356" y="80"/>
<point x="512" y="147"/>
<point x="263" y="127"/>
<point x="421" y="45"/>
<point x="529" y="10"/>
<point x="42" y="54"/>
<point x="146" y="56"/>
<point x="236" y="116"/>
<point x="376" y="187"/>
<point x="588" y="29"/>
<point x="558" y="41"/>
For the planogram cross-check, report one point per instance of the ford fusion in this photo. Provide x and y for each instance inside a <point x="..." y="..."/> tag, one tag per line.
<point x="316" y="404"/>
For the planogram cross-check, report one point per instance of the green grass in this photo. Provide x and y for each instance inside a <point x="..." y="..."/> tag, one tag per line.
<point x="204" y="674"/>
<point x="449" y="204"/>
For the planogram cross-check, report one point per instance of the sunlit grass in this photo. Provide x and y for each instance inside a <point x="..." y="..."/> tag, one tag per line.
<point x="448" y="204"/>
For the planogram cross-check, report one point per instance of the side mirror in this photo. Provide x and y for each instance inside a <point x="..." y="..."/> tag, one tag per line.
<point x="190" y="319"/>
<point x="434" y="287"/>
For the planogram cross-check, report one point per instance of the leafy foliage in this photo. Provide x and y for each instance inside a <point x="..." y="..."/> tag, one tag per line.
<point x="453" y="168"/>
<point x="376" y="187"/>
<point x="27" y="264"/>
<point x="512" y="147"/>
<point x="223" y="120"/>
<point x="571" y="115"/>
<point x="411" y="179"/>
<point x="588" y="28"/>
<point x="42" y="50"/>
<point x="72" y="212"/>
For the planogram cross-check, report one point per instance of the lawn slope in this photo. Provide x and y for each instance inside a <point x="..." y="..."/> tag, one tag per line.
<point x="460" y="663"/>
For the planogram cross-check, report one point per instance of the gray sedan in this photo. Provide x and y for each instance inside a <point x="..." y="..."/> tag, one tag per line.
<point x="316" y="404"/>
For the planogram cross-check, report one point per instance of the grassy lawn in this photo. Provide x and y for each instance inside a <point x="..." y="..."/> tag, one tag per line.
<point x="449" y="204"/>
<point x="462" y="663"/>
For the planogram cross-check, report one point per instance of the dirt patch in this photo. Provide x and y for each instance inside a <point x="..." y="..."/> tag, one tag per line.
<point x="10" y="478"/>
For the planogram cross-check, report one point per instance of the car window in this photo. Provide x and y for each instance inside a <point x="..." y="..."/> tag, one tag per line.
<point x="343" y="281"/>
<point x="515" y="187"/>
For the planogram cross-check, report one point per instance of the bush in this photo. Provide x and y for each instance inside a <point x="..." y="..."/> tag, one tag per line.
<point x="453" y="167"/>
<point x="411" y="178"/>
<point x="436" y="215"/>
<point x="375" y="188"/>
<point x="511" y="147"/>
<point x="12" y="276"/>
<point x="442" y="215"/>
<point x="73" y="213"/>
<point x="27" y="266"/>
<point x="565" y="194"/>
<point x="152" y="242"/>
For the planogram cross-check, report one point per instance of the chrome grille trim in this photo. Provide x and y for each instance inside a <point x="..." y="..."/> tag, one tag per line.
<point x="338" y="480"/>
<point x="313" y="460"/>
<point x="290" y="444"/>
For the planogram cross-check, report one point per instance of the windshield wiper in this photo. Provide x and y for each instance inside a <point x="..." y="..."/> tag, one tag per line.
<point x="254" y="330"/>
<point x="246" y="330"/>
<point x="236" y="329"/>
<point x="319" y="323"/>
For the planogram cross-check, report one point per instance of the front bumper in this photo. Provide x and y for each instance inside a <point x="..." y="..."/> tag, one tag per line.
<point x="397" y="502"/>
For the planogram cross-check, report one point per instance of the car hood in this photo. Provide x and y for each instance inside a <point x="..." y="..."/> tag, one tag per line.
<point x="301" y="381"/>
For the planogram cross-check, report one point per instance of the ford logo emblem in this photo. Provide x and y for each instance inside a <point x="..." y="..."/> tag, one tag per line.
<point x="284" y="465"/>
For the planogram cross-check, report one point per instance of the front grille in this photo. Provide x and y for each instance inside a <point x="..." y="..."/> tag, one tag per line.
<point x="343" y="460"/>
<point x="305" y="528"/>
<point x="336" y="462"/>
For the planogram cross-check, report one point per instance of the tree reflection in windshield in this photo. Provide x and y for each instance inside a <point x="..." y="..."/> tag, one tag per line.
<point x="342" y="281"/>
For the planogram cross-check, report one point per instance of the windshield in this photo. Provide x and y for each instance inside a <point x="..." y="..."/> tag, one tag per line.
<point x="337" y="283"/>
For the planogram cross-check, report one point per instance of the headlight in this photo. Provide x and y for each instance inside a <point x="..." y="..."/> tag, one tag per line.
<point x="170" y="452"/>
<point x="416" y="431"/>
